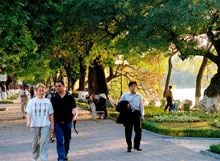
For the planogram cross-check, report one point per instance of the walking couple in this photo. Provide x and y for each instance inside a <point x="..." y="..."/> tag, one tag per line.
<point x="55" y="116"/>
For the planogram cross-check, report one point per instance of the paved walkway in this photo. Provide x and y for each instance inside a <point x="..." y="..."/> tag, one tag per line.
<point x="100" y="140"/>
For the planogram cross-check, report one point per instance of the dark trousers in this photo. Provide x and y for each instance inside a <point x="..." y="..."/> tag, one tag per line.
<point x="169" y="104"/>
<point x="63" y="137"/>
<point x="136" y="123"/>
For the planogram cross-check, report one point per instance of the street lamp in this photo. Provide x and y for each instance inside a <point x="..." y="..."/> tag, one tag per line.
<point x="121" y="62"/>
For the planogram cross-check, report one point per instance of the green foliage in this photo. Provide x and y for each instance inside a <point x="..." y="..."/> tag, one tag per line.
<point x="162" y="102"/>
<point x="200" y="114"/>
<point x="152" y="102"/>
<point x="216" y="122"/>
<point x="154" y="127"/>
<point x="151" y="111"/>
<point x="113" y="114"/>
<point x="175" y="118"/>
<point x="186" y="104"/>
<point x="215" y="148"/>
<point x="82" y="104"/>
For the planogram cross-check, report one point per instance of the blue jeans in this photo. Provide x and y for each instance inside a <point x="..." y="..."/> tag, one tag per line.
<point x="63" y="137"/>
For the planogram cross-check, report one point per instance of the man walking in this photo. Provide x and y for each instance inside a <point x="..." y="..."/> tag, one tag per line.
<point x="136" y="116"/>
<point x="169" y="97"/>
<point x="23" y="94"/>
<point x="65" y="112"/>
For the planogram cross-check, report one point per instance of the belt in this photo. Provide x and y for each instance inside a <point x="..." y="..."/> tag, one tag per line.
<point x="74" y="125"/>
<point x="135" y="110"/>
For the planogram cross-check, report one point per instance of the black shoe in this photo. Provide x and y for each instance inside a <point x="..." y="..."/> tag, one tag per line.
<point x="129" y="150"/>
<point x="138" y="149"/>
<point x="24" y="117"/>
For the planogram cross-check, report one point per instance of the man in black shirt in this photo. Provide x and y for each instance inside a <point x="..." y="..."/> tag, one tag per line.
<point x="65" y="112"/>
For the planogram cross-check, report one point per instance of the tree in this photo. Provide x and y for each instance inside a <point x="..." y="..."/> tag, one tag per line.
<point x="179" y="23"/>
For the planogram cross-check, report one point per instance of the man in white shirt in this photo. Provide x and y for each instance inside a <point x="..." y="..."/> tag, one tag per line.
<point x="23" y="94"/>
<point x="137" y="115"/>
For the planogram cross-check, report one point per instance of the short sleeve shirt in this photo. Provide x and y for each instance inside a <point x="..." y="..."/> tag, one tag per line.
<point x="39" y="110"/>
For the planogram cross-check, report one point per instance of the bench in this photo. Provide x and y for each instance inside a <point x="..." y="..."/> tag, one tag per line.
<point x="94" y="112"/>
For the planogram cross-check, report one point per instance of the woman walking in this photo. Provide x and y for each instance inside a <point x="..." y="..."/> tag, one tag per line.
<point x="40" y="120"/>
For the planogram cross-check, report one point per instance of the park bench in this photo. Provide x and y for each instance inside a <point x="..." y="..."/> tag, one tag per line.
<point x="92" y="108"/>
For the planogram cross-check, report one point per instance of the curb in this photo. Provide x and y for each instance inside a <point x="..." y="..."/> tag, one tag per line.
<point x="211" y="154"/>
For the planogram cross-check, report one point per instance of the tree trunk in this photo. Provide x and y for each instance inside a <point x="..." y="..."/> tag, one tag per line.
<point x="69" y="81"/>
<point x="101" y="83"/>
<point x="81" y="95"/>
<point x="210" y="101"/>
<point x="170" y="67"/>
<point x="96" y="79"/>
<point x="3" y="90"/>
<point x="199" y="80"/>
<point x="73" y="82"/>
<point x="92" y="80"/>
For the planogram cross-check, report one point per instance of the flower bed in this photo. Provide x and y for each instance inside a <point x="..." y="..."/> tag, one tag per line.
<point x="175" y="118"/>
<point x="183" y="132"/>
<point x="201" y="115"/>
<point x="216" y="123"/>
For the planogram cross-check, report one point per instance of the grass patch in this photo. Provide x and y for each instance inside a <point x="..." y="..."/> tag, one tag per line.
<point x="6" y="101"/>
<point x="10" y="99"/>
<point x="192" y="125"/>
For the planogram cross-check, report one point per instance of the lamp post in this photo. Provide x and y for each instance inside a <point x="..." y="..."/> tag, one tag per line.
<point x="121" y="62"/>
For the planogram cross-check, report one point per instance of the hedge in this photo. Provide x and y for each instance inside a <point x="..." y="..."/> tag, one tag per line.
<point x="82" y="104"/>
<point x="215" y="148"/>
<point x="151" y="126"/>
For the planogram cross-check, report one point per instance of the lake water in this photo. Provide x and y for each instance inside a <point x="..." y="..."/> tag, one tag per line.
<point x="186" y="93"/>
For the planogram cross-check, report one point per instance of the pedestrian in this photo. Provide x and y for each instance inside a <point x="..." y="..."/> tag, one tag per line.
<point x="135" y="103"/>
<point x="101" y="104"/>
<point x="23" y="94"/>
<point x="51" y="93"/>
<point x="65" y="112"/>
<point x="169" y="97"/>
<point x="32" y="92"/>
<point x="40" y="120"/>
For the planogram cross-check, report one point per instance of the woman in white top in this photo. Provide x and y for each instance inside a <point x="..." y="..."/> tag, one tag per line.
<point x="40" y="120"/>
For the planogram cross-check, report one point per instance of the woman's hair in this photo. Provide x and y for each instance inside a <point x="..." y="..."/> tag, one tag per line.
<point x="40" y="85"/>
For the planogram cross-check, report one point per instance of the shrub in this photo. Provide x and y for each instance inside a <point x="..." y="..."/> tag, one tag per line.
<point x="154" y="127"/>
<point x="186" y="104"/>
<point x="215" y="148"/>
<point x="163" y="102"/>
<point x="151" y="111"/>
<point x="82" y="104"/>
<point x="216" y="122"/>
<point x="113" y="114"/>
<point x="152" y="103"/>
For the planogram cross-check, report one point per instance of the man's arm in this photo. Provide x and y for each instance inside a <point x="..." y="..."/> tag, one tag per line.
<point x="51" y="118"/>
<point x="28" y="120"/>
<point x="75" y="113"/>
<point x="171" y="94"/>
<point x="142" y="108"/>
